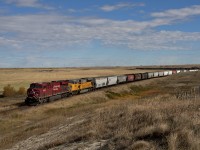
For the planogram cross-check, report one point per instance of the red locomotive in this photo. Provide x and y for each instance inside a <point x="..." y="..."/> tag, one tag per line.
<point x="46" y="91"/>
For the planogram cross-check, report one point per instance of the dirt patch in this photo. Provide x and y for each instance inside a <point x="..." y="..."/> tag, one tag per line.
<point x="56" y="133"/>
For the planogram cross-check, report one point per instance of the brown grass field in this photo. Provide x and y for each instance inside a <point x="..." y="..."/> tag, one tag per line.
<point x="161" y="113"/>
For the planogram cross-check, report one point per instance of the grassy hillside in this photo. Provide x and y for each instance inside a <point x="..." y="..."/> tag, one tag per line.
<point x="160" y="113"/>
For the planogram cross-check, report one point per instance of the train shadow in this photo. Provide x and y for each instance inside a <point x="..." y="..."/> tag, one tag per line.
<point x="20" y="104"/>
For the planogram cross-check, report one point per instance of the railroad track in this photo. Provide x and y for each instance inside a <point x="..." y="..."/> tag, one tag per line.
<point x="21" y="106"/>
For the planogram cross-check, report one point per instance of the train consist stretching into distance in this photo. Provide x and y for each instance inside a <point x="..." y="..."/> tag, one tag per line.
<point x="44" y="92"/>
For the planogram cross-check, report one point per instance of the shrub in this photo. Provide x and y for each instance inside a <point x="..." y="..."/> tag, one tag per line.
<point x="138" y="89"/>
<point x="21" y="91"/>
<point x="8" y="91"/>
<point x="112" y="95"/>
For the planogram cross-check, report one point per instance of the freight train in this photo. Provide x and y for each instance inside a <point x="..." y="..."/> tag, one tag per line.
<point x="44" y="92"/>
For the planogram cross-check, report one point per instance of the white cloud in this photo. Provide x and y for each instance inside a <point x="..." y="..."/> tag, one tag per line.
<point x="6" y="42"/>
<point x="178" y="13"/>
<point x="45" y="32"/>
<point x="108" y="8"/>
<point x="28" y="3"/>
<point x="55" y="32"/>
<point x="3" y="11"/>
<point x="71" y="10"/>
<point x="163" y="40"/>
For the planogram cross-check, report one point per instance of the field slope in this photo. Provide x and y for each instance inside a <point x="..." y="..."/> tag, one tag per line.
<point x="160" y="113"/>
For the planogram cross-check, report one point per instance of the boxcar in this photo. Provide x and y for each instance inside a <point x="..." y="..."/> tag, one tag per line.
<point x="174" y="71"/>
<point x="144" y="76"/>
<point x="100" y="82"/>
<point x="150" y="75"/>
<point x="170" y="72"/>
<point x="166" y="73"/>
<point x="138" y="76"/>
<point x="130" y="77"/>
<point x="121" y="79"/>
<point x="161" y="74"/>
<point x="112" y="80"/>
<point x="155" y="74"/>
<point x="192" y="70"/>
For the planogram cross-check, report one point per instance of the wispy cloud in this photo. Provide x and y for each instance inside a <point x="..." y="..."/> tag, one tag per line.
<point x="57" y="32"/>
<point x="24" y="3"/>
<point x="28" y="3"/>
<point x="108" y="8"/>
<point x="71" y="10"/>
<point x="178" y="13"/>
<point x="54" y="32"/>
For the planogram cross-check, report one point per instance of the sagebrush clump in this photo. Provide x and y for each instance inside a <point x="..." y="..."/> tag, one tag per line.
<point x="21" y="91"/>
<point x="9" y="91"/>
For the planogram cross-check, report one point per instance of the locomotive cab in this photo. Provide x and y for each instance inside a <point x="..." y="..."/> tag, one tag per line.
<point x="36" y="91"/>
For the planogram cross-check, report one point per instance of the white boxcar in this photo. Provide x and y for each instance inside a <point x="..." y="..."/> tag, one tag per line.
<point x="155" y="74"/>
<point x="100" y="82"/>
<point x="192" y="70"/>
<point x="112" y="80"/>
<point x="160" y="74"/>
<point x="166" y="73"/>
<point x="121" y="79"/>
<point x="170" y="72"/>
<point x="150" y="74"/>
<point x="178" y="71"/>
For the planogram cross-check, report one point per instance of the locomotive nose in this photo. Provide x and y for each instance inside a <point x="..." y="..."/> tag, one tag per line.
<point x="32" y="92"/>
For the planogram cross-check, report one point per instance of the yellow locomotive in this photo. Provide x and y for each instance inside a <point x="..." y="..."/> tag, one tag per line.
<point x="80" y="86"/>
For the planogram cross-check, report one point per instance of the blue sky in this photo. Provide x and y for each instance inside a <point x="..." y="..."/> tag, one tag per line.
<point x="78" y="33"/>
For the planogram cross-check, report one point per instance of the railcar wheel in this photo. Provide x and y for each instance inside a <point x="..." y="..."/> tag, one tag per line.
<point x="40" y="101"/>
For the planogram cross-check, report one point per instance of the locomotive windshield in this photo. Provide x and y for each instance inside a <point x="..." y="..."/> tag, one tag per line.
<point x="38" y="86"/>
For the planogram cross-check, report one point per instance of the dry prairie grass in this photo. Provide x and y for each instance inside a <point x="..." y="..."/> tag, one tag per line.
<point x="137" y="119"/>
<point x="17" y="125"/>
<point x="155" y="123"/>
<point x="151" y="124"/>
